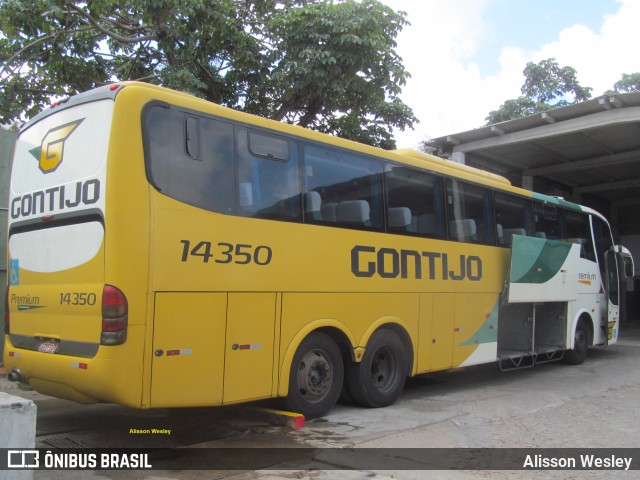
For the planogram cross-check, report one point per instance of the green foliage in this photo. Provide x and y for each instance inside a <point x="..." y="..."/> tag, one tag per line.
<point x="628" y="83"/>
<point x="547" y="85"/>
<point x="336" y="61"/>
<point x="327" y="65"/>
<point x="513" y="108"/>
<point x="546" y="81"/>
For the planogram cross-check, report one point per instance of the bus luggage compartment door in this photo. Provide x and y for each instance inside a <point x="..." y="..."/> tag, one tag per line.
<point x="543" y="270"/>
<point x="188" y="349"/>
<point x="248" y="372"/>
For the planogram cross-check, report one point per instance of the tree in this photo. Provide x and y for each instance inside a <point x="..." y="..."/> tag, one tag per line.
<point x="327" y="65"/>
<point x="628" y="83"/>
<point x="547" y="85"/>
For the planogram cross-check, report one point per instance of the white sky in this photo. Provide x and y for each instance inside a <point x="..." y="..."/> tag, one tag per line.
<point x="466" y="57"/>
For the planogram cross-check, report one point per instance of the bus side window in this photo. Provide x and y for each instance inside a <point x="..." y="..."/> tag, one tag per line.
<point x="470" y="213"/>
<point x="414" y="202"/>
<point x="268" y="176"/>
<point x="579" y="231"/>
<point x="217" y="152"/>
<point x="342" y="189"/>
<point x="190" y="159"/>
<point x="513" y="217"/>
<point x="547" y="220"/>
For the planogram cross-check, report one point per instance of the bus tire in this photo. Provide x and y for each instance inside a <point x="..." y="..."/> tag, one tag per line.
<point x="378" y="379"/>
<point x="578" y="354"/>
<point x="316" y="376"/>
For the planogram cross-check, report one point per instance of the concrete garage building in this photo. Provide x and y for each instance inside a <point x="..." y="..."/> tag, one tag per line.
<point x="588" y="153"/>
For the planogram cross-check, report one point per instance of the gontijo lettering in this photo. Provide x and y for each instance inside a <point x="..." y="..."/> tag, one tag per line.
<point x="368" y="261"/>
<point x="55" y="199"/>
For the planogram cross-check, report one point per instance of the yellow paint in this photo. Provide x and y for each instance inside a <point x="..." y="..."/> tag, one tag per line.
<point x="443" y="319"/>
<point x="249" y="348"/>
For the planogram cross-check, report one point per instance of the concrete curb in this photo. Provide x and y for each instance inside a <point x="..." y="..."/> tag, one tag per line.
<point x="18" y="427"/>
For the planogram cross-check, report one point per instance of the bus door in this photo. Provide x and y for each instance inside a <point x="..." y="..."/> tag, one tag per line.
<point x="212" y="348"/>
<point x="610" y="257"/>
<point x="612" y="293"/>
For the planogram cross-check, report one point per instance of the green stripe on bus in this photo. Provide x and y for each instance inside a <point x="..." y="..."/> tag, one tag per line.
<point x="536" y="260"/>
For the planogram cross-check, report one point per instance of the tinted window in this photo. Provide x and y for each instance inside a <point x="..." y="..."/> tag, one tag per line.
<point x="415" y="202"/>
<point x="269" y="146"/>
<point x="342" y="188"/>
<point x="470" y="213"/>
<point x="547" y="219"/>
<point x="578" y="231"/>
<point x="268" y="180"/>
<point x="513" y="217"/>
<point x="190" y="159"/>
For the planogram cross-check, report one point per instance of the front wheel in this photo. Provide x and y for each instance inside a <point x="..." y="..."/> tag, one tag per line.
<point x="378" y="379"/>
<point x="578" y="354"/>
<point x="316" y="376"/>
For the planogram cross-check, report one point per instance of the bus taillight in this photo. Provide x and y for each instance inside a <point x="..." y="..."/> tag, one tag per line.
<point x="115" y="316"/>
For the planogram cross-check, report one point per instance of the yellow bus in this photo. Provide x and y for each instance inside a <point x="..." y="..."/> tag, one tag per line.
<point x="168" y="252"/>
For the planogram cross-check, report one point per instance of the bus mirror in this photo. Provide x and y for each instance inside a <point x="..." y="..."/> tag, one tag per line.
<point x="627" y="260"/>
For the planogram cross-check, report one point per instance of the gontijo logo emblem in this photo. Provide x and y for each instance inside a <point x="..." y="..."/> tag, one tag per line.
<point x="50" y="152"/>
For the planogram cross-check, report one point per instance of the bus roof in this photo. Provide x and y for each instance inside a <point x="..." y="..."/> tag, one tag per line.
<point x="100" y="93"/>
<point x="405" y="156"/>
<point x="433" y="160"/>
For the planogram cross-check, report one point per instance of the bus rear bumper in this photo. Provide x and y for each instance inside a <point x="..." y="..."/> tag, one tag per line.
<point x="103" y="378"/>
<point x="27" y="367"/>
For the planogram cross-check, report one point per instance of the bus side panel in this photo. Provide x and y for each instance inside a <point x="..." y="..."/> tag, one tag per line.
<point x="188" y="349"/>
<point x="457" y="330"/>
<point x="476" y="329"/>
<point x="127" y="233"/>
<point x="425" y="342"/>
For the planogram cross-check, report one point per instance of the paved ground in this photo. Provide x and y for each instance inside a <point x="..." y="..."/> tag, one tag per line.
<point x="595" y="405"/>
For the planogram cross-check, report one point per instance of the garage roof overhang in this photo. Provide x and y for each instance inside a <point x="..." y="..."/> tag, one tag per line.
<point x="590" y="148"/>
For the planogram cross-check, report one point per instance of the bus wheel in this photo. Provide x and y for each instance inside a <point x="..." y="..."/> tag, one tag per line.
<point x="578" y="354"/>
<point x="316" y="376"/>
<point x="378" y="379"/>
